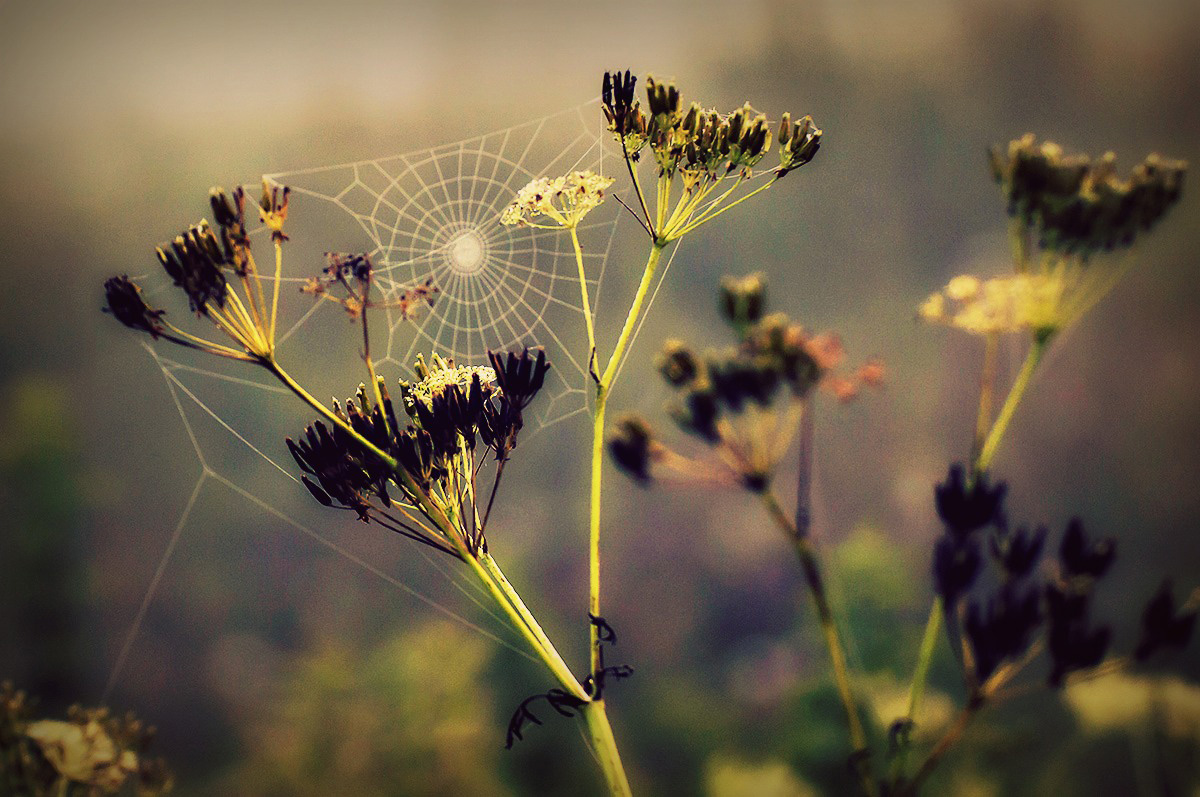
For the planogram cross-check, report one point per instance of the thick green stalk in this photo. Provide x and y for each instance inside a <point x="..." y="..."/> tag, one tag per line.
<point x="635" y="310"/>
<point x="550" y="655"/>
<point x="594" y="712"/>
<point x="602" y="389"/>
<point x="605" y="745"/>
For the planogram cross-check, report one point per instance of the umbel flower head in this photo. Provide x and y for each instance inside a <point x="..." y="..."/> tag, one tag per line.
<point x="744" y="401"/>
<point x="699" y="140"/>
<point x="421" y="480"/>
<point x="1074" y="209"/>
<point x="700" y="146"/>
<point x="206" y="263"/>
<point x="1077" y="205"/>
<point x="1037" y="303"/>
<point x="558" y="203"/>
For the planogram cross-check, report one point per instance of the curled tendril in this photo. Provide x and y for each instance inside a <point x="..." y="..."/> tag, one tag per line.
<point x="564" y="703"/>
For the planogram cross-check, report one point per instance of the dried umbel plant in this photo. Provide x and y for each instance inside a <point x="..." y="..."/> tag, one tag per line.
<point x="703" y="163"/>
<point x="91" y="752"/>
<point x="430" y="470"/>
<point x="747" y="403"/>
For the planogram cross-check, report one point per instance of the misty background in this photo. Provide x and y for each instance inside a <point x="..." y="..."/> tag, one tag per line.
<point x="273" y="666"/>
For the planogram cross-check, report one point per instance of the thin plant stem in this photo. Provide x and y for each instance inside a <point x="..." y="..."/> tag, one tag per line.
<point x="275" y="292"/>
<point x="707" y="217"/>
<point x="635" y="310"/>
<point x="948" y="740"/>
<point x="587" y="304"/>
<point x="916" y="690"/>
<point x="988" y="451"/>
<point x="833" y="641"/>
<point x="602" y="389"/>
<point x="637" y="187"/>
<point x="987" y="389"/>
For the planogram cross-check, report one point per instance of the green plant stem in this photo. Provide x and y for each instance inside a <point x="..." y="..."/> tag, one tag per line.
<point x="837" y="653"/>
<point x="916" y="690"/>
<point x="553" y="660"/>
<point x="635" y="310"/>
<point x="988" y="451"/>
<point x="710" y="215"/>
<point x="602" y="388"/>
<point x="594" y="522"/>
<point x="330" y="415"/>
<point x="948" y="740"/>
<point x="605" y="744"/>
<point x="987" y="391"/>
<point x="587" y="304"/>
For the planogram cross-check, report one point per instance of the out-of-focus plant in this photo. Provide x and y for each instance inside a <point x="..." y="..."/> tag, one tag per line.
<point x="1073" y="226"/>
<point x="746" y="403"/>
<point x="393" y="717"/>
<point x="89" y="753"/>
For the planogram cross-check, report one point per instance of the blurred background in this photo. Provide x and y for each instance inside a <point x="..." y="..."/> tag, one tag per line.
<point x="272" y="665"/>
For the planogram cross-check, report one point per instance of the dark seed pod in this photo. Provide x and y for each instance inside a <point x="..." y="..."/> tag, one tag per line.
<point x="964" y="509"/>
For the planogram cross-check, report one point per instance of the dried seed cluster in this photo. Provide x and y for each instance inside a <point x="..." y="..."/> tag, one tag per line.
<point x="703" y="144"/>
<point x="424" y="486"/>
<point x="744" y="400"/>
<point x="1001" y="622"/>
<point x="1077" y="205"/>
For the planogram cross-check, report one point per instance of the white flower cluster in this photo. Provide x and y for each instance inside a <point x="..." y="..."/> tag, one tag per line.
<point x="561" y="201"/>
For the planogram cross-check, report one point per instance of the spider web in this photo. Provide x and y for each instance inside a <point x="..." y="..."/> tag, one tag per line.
<point x="434" y="214"/>
<point x="428" y="214"/>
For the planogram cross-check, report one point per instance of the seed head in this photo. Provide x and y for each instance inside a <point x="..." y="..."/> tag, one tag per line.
<point x="125" y="303"/>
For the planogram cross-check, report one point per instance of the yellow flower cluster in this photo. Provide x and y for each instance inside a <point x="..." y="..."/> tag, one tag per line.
<point x="561" y="201"/>
<point x="1040" y="303"/>
<point x="84" y="753"/>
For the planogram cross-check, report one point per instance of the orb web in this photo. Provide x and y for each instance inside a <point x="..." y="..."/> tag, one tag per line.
<point x="434" y="215"/>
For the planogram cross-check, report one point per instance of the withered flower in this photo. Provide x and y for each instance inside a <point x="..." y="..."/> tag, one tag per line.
<point x="420" y="480"/>
<point x="623" y="112"/>
<point x="1165" y="625"/>
<point x="744" y="401"/>
<point x="194" y="260"/>
<point x="1078" y="205"/>
<point x="798" y="143"/>
<point x="965" y="508"/>
<point x="1081" y="557"/>
<point x="125" y="303"/>
<point x="273" y="208"/>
